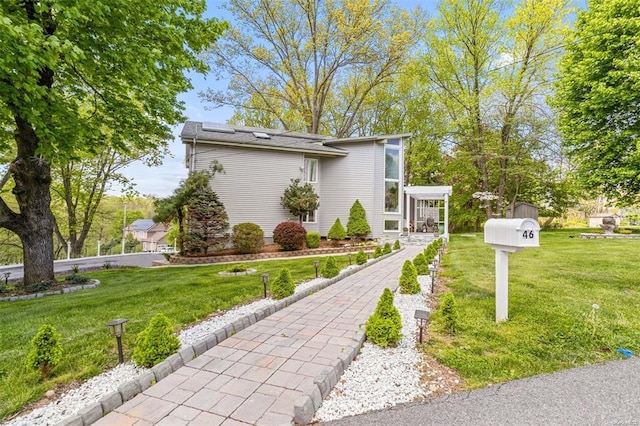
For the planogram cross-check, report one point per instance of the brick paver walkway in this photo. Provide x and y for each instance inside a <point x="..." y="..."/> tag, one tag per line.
<point x="275" y="370"/>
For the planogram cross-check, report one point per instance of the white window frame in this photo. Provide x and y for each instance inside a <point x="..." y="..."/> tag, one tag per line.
<point x="308" y="169"/>
<point x="395" y="147"/>
<point x="397" y="221"/>
<point x="310" y="217"/>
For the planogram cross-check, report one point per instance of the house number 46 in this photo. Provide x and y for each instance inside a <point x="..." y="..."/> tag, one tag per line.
<point x="527" y="234"/>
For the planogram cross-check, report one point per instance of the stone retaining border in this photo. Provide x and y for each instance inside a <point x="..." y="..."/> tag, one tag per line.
<point x="304" y="407"/>
<point x="92" y="284"/>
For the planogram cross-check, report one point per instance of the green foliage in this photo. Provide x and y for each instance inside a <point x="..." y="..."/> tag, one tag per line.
<point x="207" y="223"/>
<point x="240" y="267"/>
<point x="283" y="285"/>
<point x="361" y="258"/>
<point x="330" y="268"/>
<point x="290" y="236"/>
<point x="430" y="253"/>
<point x="421" y="264"/>
<point x="357" y="225"/>
<point x="313" y="239"/>
<point x="46" y="351"/>
<point x="377" y="252"/>
<point x="396" y="245"/>
<point x="409" y="279"/>
<point x="39" y="286"/>
<point x="155" y="343"/>
<point x="300" y="199"/>
<point x="76" y="279"/>
<point x="387" y="248"/>
<point x="337" y="231"/>
<point x="449" y="311"/>
<point x="247" y="238"/>
<point x="384" y="327"/>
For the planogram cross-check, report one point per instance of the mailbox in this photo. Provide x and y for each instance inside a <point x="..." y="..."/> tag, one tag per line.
<point x="512" y="233"/>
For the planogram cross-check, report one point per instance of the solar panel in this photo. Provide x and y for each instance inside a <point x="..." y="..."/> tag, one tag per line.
<point x="217" y="127"/>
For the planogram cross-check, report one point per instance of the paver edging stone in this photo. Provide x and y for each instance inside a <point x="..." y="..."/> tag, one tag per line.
<point x="305" y="406"/>
<point x="93" y="284"/>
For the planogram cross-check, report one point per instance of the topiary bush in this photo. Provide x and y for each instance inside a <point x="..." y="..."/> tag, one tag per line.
<point x="409" y="279"/>
<point x="290" y="236"/>
<point x="283" y="285"/>
<point x="330" y="268"/>
<point x="247" y="238"/>
<point x="421" y="264"/>
<point x="337" y="232"/>
<point x="396" y="245"/>
<point x="377" y="252"/>
<point x="357" y="225"/>
<point x="46" y="351"/>
<point x="384" y="327"/>
<point x="155" y="343"/>
<point x="387" y="248"/>
<point x="313" y="239"/>
<point x="449" y="311"/>
<point x="429" y="253"/>
<point x="361" y="258"/>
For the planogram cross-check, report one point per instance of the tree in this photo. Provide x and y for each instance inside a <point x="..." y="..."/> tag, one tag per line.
<point x="207" y="222"/>
<point x="310" y="65"/>
<point x="300" y="199"/>
<point x="357" y="225"/>
<point x="73" y="72"/>
<point x="597" y="98"/>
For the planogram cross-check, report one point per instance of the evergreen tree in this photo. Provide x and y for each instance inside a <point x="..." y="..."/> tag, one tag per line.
<point x="357" y="225"/>
<point x="409" y="279"/>
<point x="337" y="231"/>
<point x="207" y="222"/>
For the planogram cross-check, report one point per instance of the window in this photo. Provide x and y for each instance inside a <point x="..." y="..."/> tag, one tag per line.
<point x="391" y="225"/>
<point x="311" y="170"/>
<point x="310" y="217"/>
<point x="392" y="176"/>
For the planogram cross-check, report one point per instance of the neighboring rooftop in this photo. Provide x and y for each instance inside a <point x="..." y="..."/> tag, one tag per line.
<point x="142" y="224"/>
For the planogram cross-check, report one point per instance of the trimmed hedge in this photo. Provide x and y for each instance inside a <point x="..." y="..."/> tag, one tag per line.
<point x="247" y="238"/>
<point x="290" y="236"/>
<point x="313" y="239"/>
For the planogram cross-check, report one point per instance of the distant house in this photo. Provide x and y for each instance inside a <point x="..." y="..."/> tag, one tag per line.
<point x="522" y="210"/>
<point x="152" y="235"/>
<point x="260" y="163"/>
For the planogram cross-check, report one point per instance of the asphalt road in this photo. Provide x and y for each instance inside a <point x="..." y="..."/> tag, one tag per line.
<point x="604" y="394"/>
<point x="144" y="260"/>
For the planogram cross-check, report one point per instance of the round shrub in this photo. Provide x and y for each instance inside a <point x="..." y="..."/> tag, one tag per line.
<point x="283" y="285"/>
<point x="313" y="239"/>
<point x="330" y="268"/>
<point x="290" y="236"/>
<point x="361" y="258"/>
<point x="46" y="351"/>
<point x="421" y="264"/>
<point x="155" y="343"/>
<point x="377" y="252"/>
<point x="247" y="238"/>
<point x="337" y="231"/>
<point x="396" y="245"/>
<point x="387" y="248"/>
<point x="409" y="279"/>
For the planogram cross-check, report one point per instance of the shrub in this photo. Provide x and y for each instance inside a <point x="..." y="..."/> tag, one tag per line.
<point x="377" y="252"/>
<point x="76" y="279"/>
<point x="240" y="267"/>
<point x="283" y="285"/>
<point x="155" y="343"/>
<point x="384" y="327"/>
<point x="313" y="239"/>
<point x="39" y="287"/>
<point x="449" y="312"/>
<point x="330" y="268"/>
<point x="247" y="238"/>
<point x="361" y="258"/>
<point x="46" y="351"/>
<point x="357" y="225"/>
<point x="337" y="231"/>
<point x="421" y="264"/>
<point x="429" y="253"/>
<point x="290" y="236"/>
<point x="396" y="245"/>
<point x="386" y="249"/>
<point x="437" y="243"/>
<point x="409" y="279"/>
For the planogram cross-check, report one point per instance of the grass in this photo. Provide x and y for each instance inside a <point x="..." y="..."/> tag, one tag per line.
<point x="553" y="324"/>
<point x="187" y="295"/>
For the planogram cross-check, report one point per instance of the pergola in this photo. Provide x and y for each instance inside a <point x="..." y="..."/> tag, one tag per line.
<point x="428" y="193"/>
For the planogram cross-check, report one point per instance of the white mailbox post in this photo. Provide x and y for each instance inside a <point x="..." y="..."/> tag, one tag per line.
<point x="508" y="236"/>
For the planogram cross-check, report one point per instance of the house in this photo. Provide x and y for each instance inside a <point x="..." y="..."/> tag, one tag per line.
<point x="522" y="210"/>
<point x="152" y="235"/>
<point x="260" y="163"/>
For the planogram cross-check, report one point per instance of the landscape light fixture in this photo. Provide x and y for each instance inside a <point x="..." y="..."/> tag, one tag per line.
<point x="265" y="281"/>
<point x="117" y="327"/>
<point x="432" y="270"/>
<point x="6" y="277"/>
<point x="316" y="263"/>
<point x="349" y="255"/>
<point x="422" y="319"/>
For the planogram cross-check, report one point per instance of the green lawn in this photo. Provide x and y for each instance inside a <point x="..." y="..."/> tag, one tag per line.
<point x="186" y="295"/>
<point x="552" y="323"/>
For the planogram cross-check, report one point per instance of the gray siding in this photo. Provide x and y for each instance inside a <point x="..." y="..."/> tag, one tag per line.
<point x="252" y="183"/>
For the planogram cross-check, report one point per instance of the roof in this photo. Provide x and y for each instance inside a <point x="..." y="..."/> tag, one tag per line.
<point x="521" y="203"/>
<point x="226" y="134"/>
<point x="142" y="224"/>
<point x="428" y="192"/>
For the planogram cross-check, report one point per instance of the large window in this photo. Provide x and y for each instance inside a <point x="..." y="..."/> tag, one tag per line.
<point x="311" y="170"/>
<point x="391" y="225"/>
<point x="392" y="176"/>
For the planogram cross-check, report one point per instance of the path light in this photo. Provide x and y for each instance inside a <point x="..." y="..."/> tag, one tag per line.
<point x="432" y="270"/>
<point x="265" y="281"/>
<point x="117" y="329"/>
<point x="316" y="263"/>
<point x="349" y="254"/>
<point x="422" y="319"/>
<point x="6" y="277"/>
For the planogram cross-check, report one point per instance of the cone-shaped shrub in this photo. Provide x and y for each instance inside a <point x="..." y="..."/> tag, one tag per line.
<point x="429" y="253"/>
<point x="361" y="258"/>
<point x="387" y="248"/>
<point x="396" y="245"/>
<point x="449" y="312"/>
<point x="283" y="285"/>
<point x="385" y="325"/>
<point x="421" y="264"/>
<point x="330" y="268"/>
<point x="46" y="351"/>
<point x="409" y="279"/>
<point x="438" y="243"/>
<point x="155" y="343"/>
<point x="357" y="225"/>
<point x="377" y="252"/>
<point x="337" y="231"/>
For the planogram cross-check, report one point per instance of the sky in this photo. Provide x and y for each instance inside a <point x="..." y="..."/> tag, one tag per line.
<point x="162" y="180"/>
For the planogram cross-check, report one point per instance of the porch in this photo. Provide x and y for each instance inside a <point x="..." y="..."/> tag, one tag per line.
<point x="427" y="211"/>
